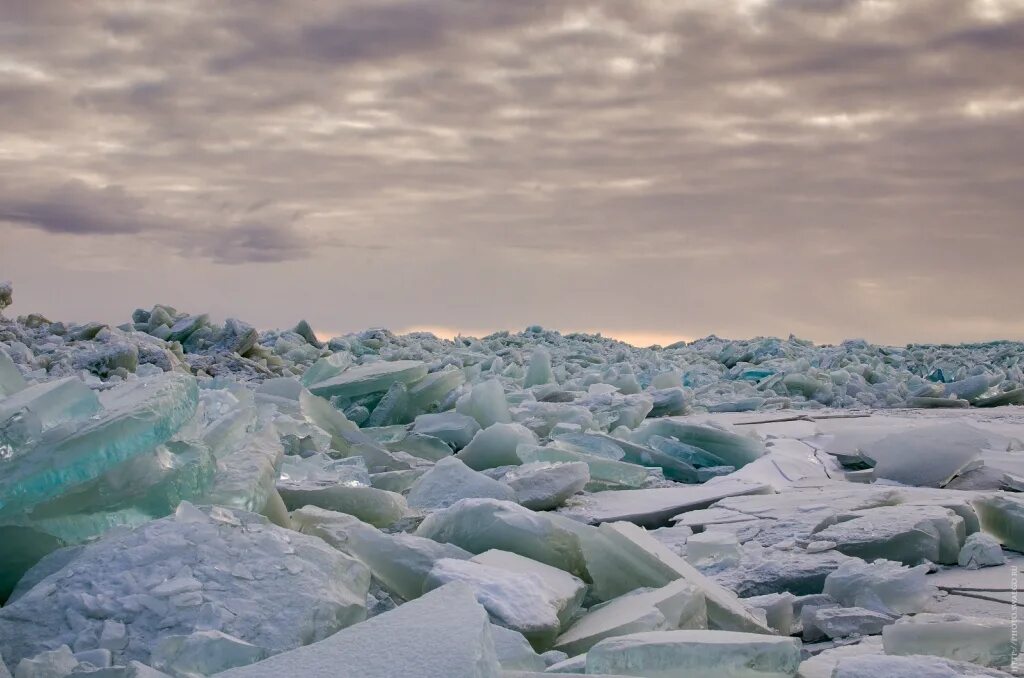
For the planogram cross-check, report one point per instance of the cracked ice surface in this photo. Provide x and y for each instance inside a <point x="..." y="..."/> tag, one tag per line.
<point x="181" y="496"/>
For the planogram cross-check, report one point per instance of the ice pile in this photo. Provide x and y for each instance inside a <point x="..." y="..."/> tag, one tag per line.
<point x="183" y="497"/>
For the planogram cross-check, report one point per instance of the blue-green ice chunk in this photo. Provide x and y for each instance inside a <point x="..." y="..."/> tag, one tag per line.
<point x="137" y="417"/>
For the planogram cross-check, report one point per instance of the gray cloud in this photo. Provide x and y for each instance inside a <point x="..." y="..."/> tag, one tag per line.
<point x="843" y="163"/>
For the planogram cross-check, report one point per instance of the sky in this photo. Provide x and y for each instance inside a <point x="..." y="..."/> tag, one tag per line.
<point x="654" y="170"/>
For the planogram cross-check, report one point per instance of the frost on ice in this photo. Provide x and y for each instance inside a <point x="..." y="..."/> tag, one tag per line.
<point x="181" y="496"/>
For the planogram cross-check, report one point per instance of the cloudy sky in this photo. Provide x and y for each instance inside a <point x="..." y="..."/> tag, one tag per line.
<point x="651" y="169"/>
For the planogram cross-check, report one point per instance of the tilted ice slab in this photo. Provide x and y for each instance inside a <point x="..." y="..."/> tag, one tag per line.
<point x="496" y="446"/>
<point x="369" y="378"/>
<point x="215" y="568"/>
<point x="451" y="480"/>
<point x="1002" y="516"/>
<point x="136" y="417"/>
<point x="542" y="486"/>
<point x="479" y="525"/>
<point x="41" y="407"/>
<point x="679" y="605"/>
<point x="654" y="507"/>
<point x="621" y="557"/>
<point x="444" y="634"/>
<point x="400" y="561"/>
<point x="724" y="654"/>
<point x="735" y="450"/>
<point x="607" y="471"/>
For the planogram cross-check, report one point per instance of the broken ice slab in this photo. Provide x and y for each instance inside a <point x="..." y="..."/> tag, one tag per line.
<point x="672" y="467"/>
<point x="724" y="654"/>
<point x="539" y="371"/>
<point x="200" y="568"/>
<point x="379" y="508"/>
<point x="654" y="507"/>
<point x="926" y="457"/>
<point x="369" y="378"/>
<point x="621" y="557"/>
<point x="514" y="651"/>
<point x="202" y="653"/>
<point x="678" y="605"/>
<point x="246" y="478"/>
<point x="595" y="444"/>
<point x="421" y="447"/>
<point x="451" y="427"/>
<point x="396" y="481"/>
<point x="517" y="600"/>
<point x="346" y="438"/>
<point x="486" y="403"/>
<point x="479" y="525"/>
<point x="11" y="379"/>
<point x="1002" y="516"/>
<point x="842" y="622"/>
<point x="136" y="417"/>
<point x="882" y="586"/>
<point x="987" y="641"/>
<point x="326" y="368"/>
<point x="50" y="403"/>
<point x="913" y="666"/>
<point x="147" y="486"/>
<point x="434" y="387"/>
<point x="568" y="590"/>
<point x="496" y="446"/>
<point x="451" y="480"/>
<point x="713" y="548"/>
<point x="980" y="550"/>
<point x="777" y="608"/>
<point x="602" y="470"/>
<point x="443" y="633"/>
<point x="542" y="486"/>
<point x="400" y="561"/>
<point x="907" y="534"/>
<point x="735" y="450"/>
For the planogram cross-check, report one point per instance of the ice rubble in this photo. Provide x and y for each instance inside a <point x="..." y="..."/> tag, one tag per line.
<point x="180" y="496"/>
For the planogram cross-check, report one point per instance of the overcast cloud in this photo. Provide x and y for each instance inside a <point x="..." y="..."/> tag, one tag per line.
<point x="650" y="169"/>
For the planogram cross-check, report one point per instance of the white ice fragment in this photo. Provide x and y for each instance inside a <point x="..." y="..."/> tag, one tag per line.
<point x="49" y="664"/>
<point x="842" y="622"/>
<point x="539" y="371"/>
<point x="908" y="534"/>
<point x="568" y="590"/>
<point x="1002" y="516"/>
<point x="518" y="600"/>
<point x="723" y="654"/>
<point x="514" y="651"/>
<point x="883" y="586"/>
<point x="443" y="633"/>
<point x="981" y="550"/>
<point x="928" y="456"/>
